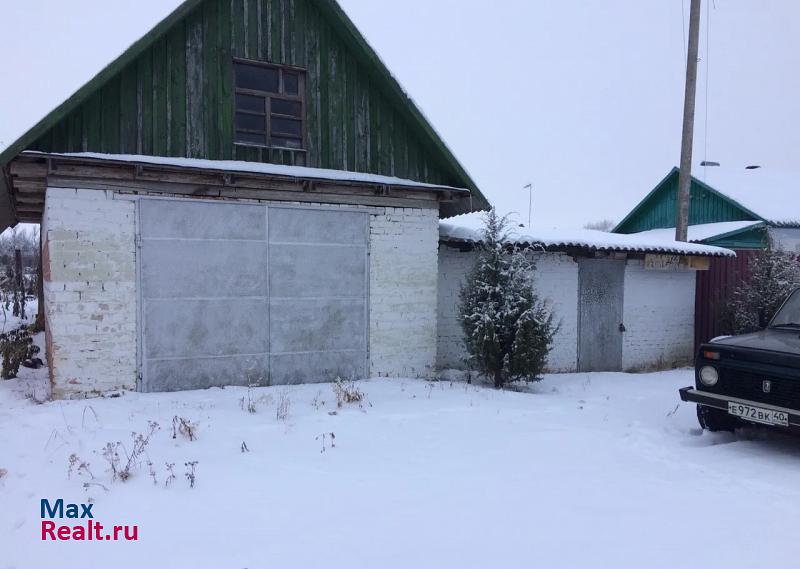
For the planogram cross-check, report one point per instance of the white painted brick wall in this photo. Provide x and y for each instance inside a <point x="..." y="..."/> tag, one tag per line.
<point x="403" y="278"/>
<point x="90" y="291"/>
<point x="91" y="295"/>
<point x="556" y="282"/>
<point x="658" y="313"/>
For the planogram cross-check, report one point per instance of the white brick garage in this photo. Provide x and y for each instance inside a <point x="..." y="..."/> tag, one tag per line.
<point x="653" y="321"/>
<point x="280" y="292"/>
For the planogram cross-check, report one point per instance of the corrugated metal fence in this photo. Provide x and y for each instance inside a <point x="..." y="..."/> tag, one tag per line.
<point x="714" y="289"/>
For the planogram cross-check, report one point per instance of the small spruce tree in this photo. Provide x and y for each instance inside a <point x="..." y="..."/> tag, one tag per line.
<point x="508" y="330"/>
<point x="774" y="274"/>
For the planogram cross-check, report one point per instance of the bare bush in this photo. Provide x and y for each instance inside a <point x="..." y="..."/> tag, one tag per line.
<point x="318" y="401"/>
<point x="16" y="347"/>
<point x="250" y="403"/>
<point x="111" y="452"/>
<point x="284" y="404"/>
<point x="325" y="437"/>
<point x="190" y="473"/>
<point x="247" y="403"/>
<point x="152" y="471"/>
<point x="347" y="392"/>
<point x="81" y="467"/>
<point x="184" y="427"/>
<point x="170" y="474"/>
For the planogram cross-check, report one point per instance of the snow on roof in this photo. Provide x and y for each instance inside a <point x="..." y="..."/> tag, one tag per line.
<point x="468" y="229"/>
<point x="302" y="172"/>
<point x="701" y="232"/>
<point x="771" y="194"/>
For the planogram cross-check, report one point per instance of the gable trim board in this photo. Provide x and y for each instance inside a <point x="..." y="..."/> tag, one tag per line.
<point x="625" y="226"/>
<point x="345" y="31"/>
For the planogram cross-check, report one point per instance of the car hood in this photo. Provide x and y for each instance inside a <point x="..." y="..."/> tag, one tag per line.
<point x="777" y="340"/>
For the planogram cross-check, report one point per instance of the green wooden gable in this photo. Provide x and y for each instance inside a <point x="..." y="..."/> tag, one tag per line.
<point x="171" y="94"/>
<point x="754" y="237"/>
<point x="707" y="205"/>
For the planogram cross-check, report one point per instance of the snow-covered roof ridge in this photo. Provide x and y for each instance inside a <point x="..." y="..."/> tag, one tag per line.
<point x="471" y="232"/>
<point x="703" y="231"/>
<point x="300" y="172"/>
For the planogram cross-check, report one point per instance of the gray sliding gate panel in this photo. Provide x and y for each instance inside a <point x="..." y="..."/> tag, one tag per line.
<point x="233" y="294"/>
<point x="600" y="295"/>
<point x="317" y="294"/>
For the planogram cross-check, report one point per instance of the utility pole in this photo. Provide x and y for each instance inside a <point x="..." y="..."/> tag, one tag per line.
<point x="530" y="201"/>
<point x="685" y="177"/>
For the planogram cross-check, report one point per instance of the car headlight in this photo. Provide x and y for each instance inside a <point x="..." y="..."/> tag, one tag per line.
<point x="709" y="376"/>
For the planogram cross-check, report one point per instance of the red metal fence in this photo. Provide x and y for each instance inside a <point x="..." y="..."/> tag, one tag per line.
<point x="714" y="289"/>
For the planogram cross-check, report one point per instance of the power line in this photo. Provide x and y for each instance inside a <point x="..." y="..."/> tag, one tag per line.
<point x="683" y="26"/>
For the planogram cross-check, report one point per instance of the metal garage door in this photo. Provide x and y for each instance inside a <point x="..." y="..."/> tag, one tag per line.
<point x="233" y="294"/>
<point x="600" y="294"/>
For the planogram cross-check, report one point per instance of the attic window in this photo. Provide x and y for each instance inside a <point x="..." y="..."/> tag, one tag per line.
<point x="270" y="105"/>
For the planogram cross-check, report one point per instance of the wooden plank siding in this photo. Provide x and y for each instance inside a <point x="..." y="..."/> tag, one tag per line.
<point x="657" y="210"/>
<point x="176" y="97"/>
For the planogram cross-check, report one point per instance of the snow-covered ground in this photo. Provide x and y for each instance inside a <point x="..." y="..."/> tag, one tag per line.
<point x="583" y="470"/>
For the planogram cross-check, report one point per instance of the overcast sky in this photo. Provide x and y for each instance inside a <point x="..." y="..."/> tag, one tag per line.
<point x="581" y="98"/>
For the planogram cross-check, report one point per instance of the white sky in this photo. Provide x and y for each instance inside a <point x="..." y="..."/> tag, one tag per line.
<point x="581" y="98"/>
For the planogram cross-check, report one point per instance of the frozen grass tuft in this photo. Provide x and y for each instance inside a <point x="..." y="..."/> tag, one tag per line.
<point x="348" y="393"/>
<point x="284" y="404"/>
<point x="184" y="427"/>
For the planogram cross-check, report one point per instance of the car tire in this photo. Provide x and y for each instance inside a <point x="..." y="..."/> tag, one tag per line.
<point x="712" y="419"/>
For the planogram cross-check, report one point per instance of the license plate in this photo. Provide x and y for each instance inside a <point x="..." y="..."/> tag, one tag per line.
<point x="758" y="414"/>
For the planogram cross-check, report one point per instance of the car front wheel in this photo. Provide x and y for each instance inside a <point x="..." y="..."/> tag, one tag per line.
<point x="715" y="419"/>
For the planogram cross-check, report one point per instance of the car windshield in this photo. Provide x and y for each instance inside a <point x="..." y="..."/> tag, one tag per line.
<point x="789" y="313"/>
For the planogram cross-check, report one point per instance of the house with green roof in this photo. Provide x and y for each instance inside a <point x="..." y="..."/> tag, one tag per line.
<point x="744" y="210"/>
<point x="244" y="196"/>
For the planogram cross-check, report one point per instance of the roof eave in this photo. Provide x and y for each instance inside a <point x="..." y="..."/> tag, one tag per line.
<point x="589" y="248"/>
<point x="729" y="234"/>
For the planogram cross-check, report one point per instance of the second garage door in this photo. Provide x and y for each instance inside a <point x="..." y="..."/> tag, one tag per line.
<point x="233" y="294"/>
